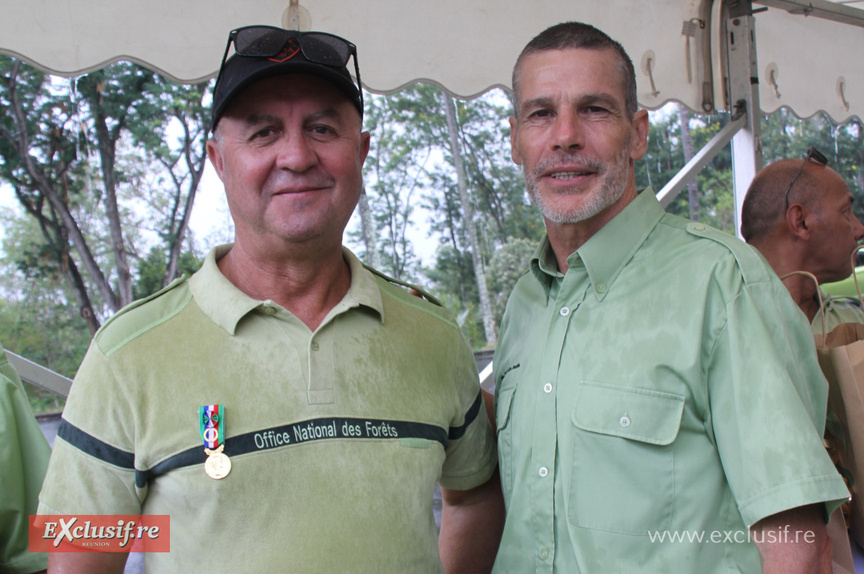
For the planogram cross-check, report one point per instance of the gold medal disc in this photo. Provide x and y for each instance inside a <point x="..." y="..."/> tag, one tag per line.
<point x="217" y="465"/>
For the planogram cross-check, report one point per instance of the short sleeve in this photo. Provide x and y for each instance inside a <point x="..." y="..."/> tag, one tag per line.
<point x="768" y="405"/>
<point x="92" y="467"/>
<point x="471" y="451"/>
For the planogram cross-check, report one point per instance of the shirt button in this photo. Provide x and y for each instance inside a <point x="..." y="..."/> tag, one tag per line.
<point x="565" y="311"/>
<point x="601" y="288"/>
<point x="544" y="471"/>
<point x="547" y="387"/>
<point x="624" y="421"/>
<point x="544" y="553"/>
<point x="270" y="310"/>
<point x="314" y="346"/>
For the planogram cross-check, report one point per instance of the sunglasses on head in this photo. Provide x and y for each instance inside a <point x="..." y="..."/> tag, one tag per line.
<point x="813" y="155"/>
<point x="317" y="47"/>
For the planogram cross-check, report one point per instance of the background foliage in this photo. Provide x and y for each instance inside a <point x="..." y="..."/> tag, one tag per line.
<point x="105" y="170"/>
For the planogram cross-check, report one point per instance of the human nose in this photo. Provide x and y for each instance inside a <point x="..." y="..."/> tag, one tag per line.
<point x="567" y="132"/>
<point x="857" y="228"/>
<point x="296" y="153"/>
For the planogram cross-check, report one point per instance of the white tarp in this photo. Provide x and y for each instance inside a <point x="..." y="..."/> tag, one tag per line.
<point x="467" y="46"/>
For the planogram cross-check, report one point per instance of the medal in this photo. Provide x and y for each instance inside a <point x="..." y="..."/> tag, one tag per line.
<point x="217" y="464"/>
<point x="211" y="425"/>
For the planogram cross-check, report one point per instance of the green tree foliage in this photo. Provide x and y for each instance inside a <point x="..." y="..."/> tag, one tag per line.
<point x="36" y="320"/>
<point x="508" y="264"/>
<point x="412" y="162"/>
<point x="93" y="161"/>
<point x="665" y="157"/>
<point x="151" y="271"/>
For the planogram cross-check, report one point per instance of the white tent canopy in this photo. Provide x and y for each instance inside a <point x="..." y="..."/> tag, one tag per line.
<point x="801" y="54"/>
<point x="467" y="46"/>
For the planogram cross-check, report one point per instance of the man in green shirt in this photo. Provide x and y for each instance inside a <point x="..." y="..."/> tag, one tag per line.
<point x="23" y="460"/>
<point x="288" y="408"/>
<point x="798" y="214"/>
<point x="658" y="399"/>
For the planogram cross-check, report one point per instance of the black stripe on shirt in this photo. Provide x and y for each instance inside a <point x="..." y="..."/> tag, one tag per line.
<point x="298" y="433"/>
<point x="275" y="437"/>
<point x="457" y="432"/>
<point x="95" y="447"/>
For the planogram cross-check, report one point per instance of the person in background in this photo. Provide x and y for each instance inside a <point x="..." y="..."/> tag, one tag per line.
<point x="798" y="214"/>
<point x="658" y="400"/>
<point x="23" y="459"/>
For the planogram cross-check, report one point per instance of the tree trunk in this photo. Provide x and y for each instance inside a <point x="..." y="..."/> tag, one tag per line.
<point x="196" y="171"/>
<point x="468" y="216"/>
<point x="687" y="146"/>
<point x="368" y="231"/>
<point x="46" y="188"/>
<point x="107" y="142"/>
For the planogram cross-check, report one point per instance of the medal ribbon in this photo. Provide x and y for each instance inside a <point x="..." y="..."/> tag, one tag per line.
<point x="211" y="424"/>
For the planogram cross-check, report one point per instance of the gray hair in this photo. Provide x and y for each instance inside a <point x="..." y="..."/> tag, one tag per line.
<point x="578" y="35"/>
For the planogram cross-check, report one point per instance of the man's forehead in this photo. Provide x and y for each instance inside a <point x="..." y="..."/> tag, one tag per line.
<point x="595" y="70"/>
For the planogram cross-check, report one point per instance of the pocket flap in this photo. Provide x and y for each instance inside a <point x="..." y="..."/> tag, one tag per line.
<point x="502" y="406"/>
<point x="638" y="414"/>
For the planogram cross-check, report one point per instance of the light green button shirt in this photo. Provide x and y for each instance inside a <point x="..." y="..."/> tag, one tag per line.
<point x="653" y="402"/>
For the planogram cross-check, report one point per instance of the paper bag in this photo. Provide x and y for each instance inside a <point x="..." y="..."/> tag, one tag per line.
<point x="841" y="356"/>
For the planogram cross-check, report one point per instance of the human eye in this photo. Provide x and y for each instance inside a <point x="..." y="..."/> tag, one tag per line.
<point x="264" y="133"/>
<point x="595" y="110"/>
<point x="540" y="114"/>
<point x="322" y="130"/>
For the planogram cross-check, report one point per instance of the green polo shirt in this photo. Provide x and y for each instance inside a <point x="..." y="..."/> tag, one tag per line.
<point x="336" y="437"/>
<point x="653" y="402"/>
<point x="837" y="310"/>
<point x="23" y="459"/>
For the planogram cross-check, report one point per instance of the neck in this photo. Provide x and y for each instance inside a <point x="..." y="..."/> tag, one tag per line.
<point x="566" y="238"/>
<point x="307" y="287"/>
<point x="785" y="261"/>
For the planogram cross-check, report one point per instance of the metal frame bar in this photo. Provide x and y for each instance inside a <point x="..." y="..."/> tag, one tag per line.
<point x="39" y="376"/>
<point x="720" y="140"/>
<point x="819" y="9"/>
<point x="743" y="87"/>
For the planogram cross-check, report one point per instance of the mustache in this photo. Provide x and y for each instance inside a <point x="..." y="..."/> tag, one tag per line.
<point x="569" y="162"/>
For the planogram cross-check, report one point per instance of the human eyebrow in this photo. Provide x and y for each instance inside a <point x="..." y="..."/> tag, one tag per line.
<point x="326" y="113"/>
<point x="605" y="100"/>
<point x="541" y="102"/>
<point x="254" y="120"/>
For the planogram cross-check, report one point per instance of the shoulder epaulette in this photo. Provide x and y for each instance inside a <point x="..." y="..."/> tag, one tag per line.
<point x="424" y="294"/>
<point x="753" y="266"/>
<point x="138" y="302"/>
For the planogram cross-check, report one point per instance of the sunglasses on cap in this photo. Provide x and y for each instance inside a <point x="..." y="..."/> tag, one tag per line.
<point x="813" y="155"/>
<point x="269" y="41"/>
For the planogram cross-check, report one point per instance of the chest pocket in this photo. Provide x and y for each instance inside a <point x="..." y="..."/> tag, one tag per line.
<point x="503" y="404"/>
<point x="623" y="477"/>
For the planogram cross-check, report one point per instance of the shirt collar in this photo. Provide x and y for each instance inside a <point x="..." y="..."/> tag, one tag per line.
<point x="606" y="253"/>
<point x="226" y="305"/>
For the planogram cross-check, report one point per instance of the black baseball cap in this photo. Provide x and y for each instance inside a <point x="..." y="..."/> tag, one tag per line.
<point x="265" y="51"/>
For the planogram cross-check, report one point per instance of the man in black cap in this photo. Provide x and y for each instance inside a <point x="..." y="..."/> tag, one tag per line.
<point x="289" y="408"/>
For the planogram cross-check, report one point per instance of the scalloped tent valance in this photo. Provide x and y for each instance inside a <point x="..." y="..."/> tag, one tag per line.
<point x="805" y="63"/>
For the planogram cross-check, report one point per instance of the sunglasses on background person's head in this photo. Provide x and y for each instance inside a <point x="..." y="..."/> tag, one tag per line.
<point x="813" y="155"/>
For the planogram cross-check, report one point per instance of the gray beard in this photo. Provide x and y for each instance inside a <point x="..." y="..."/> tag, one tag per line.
<point x="612" y="186"/>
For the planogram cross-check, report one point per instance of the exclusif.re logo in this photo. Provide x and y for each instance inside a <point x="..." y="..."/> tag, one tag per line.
<point x="100" y="533"/>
